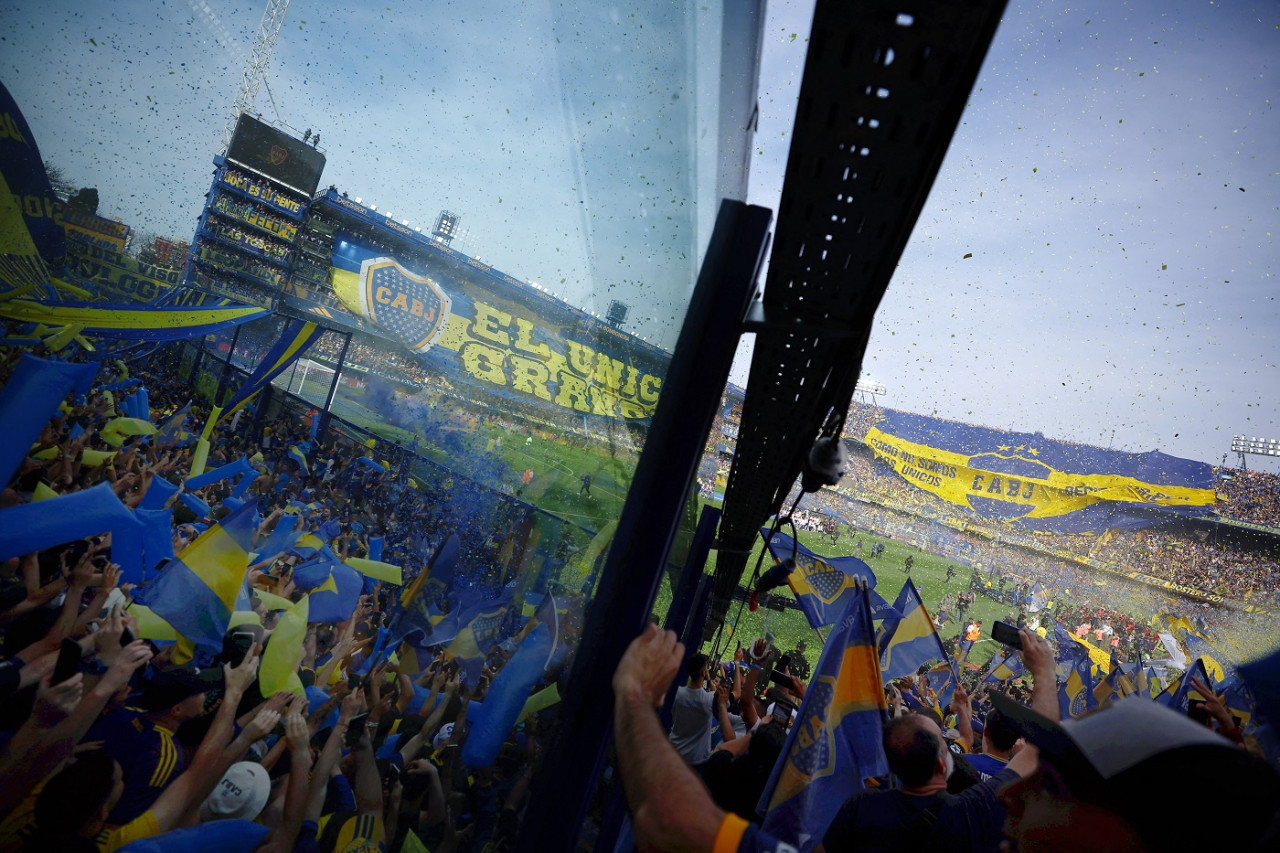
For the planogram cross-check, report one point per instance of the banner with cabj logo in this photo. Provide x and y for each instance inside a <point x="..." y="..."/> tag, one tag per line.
<point x="1036" y="482"/>
<point x="492" y="336"/>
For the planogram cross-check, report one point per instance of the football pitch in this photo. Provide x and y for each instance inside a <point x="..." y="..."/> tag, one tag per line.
<point x="929" y="572"/>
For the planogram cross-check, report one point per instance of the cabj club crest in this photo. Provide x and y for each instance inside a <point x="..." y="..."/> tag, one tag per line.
<point x="1009" y="487"/>
<point x="411" y="307"/>
<point x="826" y="582"/>
<point x="812" y="754"/>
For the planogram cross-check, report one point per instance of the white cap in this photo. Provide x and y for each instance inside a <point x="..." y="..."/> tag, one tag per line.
<point x="240" y="794"/>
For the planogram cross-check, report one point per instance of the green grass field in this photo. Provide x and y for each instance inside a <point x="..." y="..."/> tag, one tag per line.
<point x="928" y="572"/>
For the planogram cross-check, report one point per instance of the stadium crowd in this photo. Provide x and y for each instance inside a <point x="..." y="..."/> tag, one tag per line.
<point x="110" y="737"/>
<point x="1186" y="553"/>
<point x="145" y="736"/>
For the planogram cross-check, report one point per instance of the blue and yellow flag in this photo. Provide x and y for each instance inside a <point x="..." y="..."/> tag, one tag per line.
<point x="1116" y="685"/>
<point x="942" y="681"/>
<point x="1216" y="664"/>
<point x="335" y="599"/>
<point x="1177" y="695"/>
<point x="835" y="742"/>
<point x="480" y="632"/>
<point x="821" y="584"/>
<point x="909" y="642"/>
<point x="196" y="592"/>
<point x="1037" y="482"/>
<point x="415" y="617"/>
<point x="293" y="342"/>
<point x="132" y="322"/>
<point x="1075" y="694"/>
<point x="301" y="458"/>
<point x="1008" y="665"/>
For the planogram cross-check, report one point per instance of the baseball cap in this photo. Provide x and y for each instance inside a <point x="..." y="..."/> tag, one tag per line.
<point x="1125" y="756"/>
<point x="168" y="687"/>
<point x="240" y="794"/>
<point x="1101" y="746"/>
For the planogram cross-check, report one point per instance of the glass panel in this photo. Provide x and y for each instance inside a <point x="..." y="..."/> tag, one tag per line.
<point x="496" y="213"/>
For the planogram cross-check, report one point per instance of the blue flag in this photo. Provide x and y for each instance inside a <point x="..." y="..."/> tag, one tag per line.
<point x="336" y="598"/>
<point x="942" y="681"/>
<point x="835" y="742"/>
<point x="909" y="642"/>
<point x="510" y="690"/>
<point x="821" y="584"/>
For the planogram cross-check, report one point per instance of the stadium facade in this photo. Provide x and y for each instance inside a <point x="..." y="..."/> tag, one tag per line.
<point x="267" y="239"/>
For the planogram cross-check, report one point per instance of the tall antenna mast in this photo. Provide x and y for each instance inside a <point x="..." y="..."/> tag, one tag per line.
<point x="256" y="68"/>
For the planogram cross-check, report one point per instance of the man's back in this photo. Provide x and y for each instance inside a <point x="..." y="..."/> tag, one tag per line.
<point x="691" y="724"/>
<point x="874" y="820"/>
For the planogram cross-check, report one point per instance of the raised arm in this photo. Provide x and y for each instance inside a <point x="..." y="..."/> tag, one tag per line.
<point x="670" y="807"/>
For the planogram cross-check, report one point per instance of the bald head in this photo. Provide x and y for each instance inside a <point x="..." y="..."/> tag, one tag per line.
<point x="915" y="749"/>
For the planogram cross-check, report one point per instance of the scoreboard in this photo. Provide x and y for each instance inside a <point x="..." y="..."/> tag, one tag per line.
<point x="276" y="155"/>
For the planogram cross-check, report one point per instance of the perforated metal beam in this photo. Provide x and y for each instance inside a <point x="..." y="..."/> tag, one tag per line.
<point x="883" y="89"/>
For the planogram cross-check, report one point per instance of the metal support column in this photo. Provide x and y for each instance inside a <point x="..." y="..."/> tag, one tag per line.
<point x="333" y="390"/>
<point x="226" y="367"/>
<point x="650" y="517"/>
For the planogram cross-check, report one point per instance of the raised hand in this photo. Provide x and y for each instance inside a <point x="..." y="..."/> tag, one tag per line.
<point x="296" y="733"/>
<point x="262" y="724"/>
<point x="55" y="702"/>
<point x="649" y="665"/>
<point x="126" y="662"/>
<point x="239" y="678"/>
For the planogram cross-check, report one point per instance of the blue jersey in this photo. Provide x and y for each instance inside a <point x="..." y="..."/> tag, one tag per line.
<point x="148" y="754"/>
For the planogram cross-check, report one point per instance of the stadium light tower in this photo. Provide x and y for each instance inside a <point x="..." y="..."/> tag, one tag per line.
<point x="617" y="313"/>
<point x="1243" y="444"/>
<point x="256" y="68"/>
<point x="870" y="388"/>
<point x="446" y="227"/>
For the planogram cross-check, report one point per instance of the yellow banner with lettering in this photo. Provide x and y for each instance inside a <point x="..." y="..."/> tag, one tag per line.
<point x="1038" y="482"/>
<point x="501" y="343"/>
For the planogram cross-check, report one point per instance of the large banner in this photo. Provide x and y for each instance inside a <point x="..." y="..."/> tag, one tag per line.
<point x="94" y="229"/>
<point x="263" y="192"/>
<point x="528" y="346"/>
<point x="117" y="276"/>
<point x="26" y="193"/>
<point x="1036" y="482"/>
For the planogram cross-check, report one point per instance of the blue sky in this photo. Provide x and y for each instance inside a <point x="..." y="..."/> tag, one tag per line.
<point x="1114" y="178"/>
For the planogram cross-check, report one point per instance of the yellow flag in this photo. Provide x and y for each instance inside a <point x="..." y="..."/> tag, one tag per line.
<point x="271" y="601"/>
<point x="377" y="570"/>
<point x="279" y="670"/>
<point x="151" y="626"/>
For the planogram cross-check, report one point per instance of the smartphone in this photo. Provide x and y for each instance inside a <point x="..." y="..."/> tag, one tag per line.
<point x="241" y="643"/>
<point x="126" y="637"/>
<point x="783" y="662"/>
<point x="1003" y="632"/>
<point x="776" y="677"/>
<point x="355" y="729"/>
<point x="68" y="662"/>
